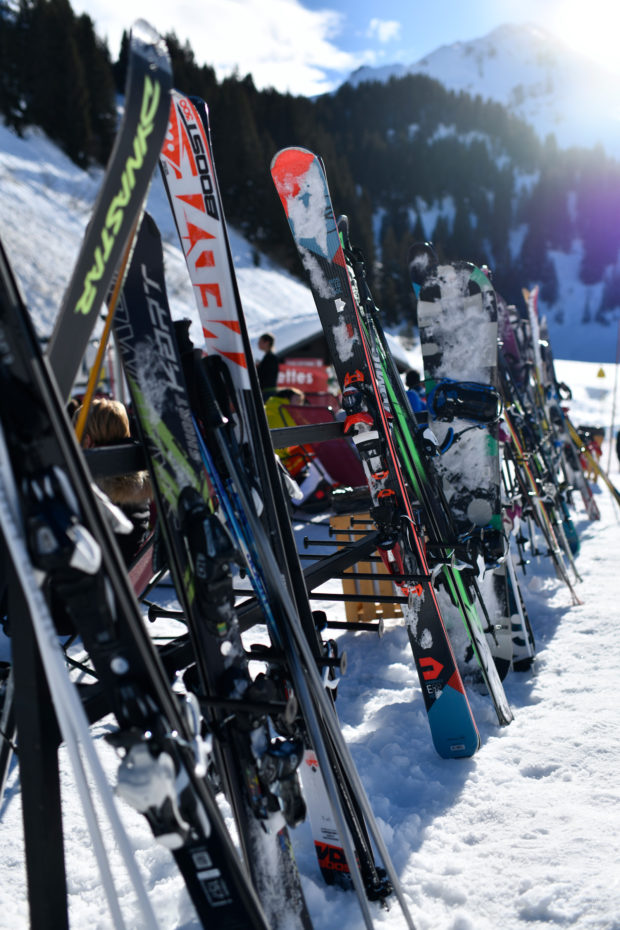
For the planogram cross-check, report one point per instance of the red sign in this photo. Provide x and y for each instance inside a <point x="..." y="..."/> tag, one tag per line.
<point x="307" y="374"/>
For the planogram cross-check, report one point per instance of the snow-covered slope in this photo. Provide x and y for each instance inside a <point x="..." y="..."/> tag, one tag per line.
<point x="45" y="204"/>
<point x="533" y="74"/>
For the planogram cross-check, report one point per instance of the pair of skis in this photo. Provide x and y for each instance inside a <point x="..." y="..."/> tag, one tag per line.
<point x="302" y="186"/>
<point x="57" y="536"/>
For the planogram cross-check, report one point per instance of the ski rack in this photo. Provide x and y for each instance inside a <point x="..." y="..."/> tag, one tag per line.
<point x="108" y="461"/>
<point x="105" y="461"/>
<point x="282" y="436"/>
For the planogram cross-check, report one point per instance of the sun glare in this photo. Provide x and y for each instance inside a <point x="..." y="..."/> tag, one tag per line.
<point x="591" y="28"/>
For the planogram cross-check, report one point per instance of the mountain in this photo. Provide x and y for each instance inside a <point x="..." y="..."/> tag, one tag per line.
<point x="533" y="74"/>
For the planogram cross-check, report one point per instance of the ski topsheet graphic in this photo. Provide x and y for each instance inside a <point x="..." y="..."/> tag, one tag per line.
<point x="188" y="174"/>
<point x="125" y="185"/>
<point x="302" y="187"/>
<point x="457" y="316"/>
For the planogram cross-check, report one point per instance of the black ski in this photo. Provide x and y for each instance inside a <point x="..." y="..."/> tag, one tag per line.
<point x="92" y="595"/>
<point x="259" y="774"/>
<point x="125" y="185"/>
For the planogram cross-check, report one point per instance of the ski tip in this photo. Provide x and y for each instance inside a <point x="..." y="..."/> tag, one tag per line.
<point x="294" y="158"/>
<point x="201" y="108"/>
<point x="142" y="33"/>
<point x="422" y="261"/>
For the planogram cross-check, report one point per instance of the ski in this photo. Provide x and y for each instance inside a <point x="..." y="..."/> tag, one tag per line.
<point x="532" y="492"/>
<point x="301" y="184"/>
<point x="591" y="460"/>
<point x="7" y="728"/>
<point x="259" y="774"/>
<point x="557" y="418"/>
<point x="122" y="193"/>
<point x="246" y="454"/>
<point x="551" y="448"/>
<point x="457" y="310"/>
<point x="72" y="549"/>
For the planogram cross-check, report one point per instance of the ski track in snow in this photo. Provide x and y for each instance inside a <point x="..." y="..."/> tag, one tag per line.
<point x="524" y="836"/>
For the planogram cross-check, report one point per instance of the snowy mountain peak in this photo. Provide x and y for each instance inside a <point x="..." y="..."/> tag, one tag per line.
<point x="532" y="73"/>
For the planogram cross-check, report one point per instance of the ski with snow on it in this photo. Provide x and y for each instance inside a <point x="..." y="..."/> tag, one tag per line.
<point x="117" y="209"/>
<point x="302" y="186"/>
<point x="457" y="319"/>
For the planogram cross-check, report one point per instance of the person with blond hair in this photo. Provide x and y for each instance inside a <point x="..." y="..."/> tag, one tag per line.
<point x="107" y="424"/>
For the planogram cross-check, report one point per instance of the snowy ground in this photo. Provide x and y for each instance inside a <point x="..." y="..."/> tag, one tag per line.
<point x="524" y="835"/>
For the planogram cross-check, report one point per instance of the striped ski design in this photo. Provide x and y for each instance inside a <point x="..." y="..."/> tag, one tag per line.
<point x="188" y="175"/>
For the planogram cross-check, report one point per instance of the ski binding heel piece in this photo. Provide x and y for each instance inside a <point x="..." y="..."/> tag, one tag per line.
<point x="148" y="784"/>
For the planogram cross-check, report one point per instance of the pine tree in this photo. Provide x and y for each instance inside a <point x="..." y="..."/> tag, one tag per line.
<point x="119" y="68"/>
<point x="58" y="100"/>
<point x="99" y="80"/>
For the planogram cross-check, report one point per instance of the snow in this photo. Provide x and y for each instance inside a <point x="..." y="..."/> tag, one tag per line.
<point x="535" y="75"/>
<point x="525" y="835"/>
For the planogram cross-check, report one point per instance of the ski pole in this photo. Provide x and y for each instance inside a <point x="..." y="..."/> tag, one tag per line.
<point x="95" y="370"/>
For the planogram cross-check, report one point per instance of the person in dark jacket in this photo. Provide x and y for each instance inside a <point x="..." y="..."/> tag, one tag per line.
<point x="108" y="425"/>
<point x="268" y="366"/>
<point x="415" y="391"/>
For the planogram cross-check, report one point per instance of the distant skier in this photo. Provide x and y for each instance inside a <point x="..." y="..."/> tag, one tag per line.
<point x="415" y="391"/>
<point x="269" y="365"/>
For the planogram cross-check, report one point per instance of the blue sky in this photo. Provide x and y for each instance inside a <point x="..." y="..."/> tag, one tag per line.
<point x="310" y="46"/>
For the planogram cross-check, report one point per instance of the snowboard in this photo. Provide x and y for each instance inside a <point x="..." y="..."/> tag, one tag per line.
<point x="458" y="325"/>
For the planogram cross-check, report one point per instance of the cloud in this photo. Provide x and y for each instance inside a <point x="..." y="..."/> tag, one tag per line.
<point x="385" y="30"/>
<point x="280" y="42"/>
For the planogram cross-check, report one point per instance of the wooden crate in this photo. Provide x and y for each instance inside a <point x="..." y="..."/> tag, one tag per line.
<point x="354" y="587"/>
